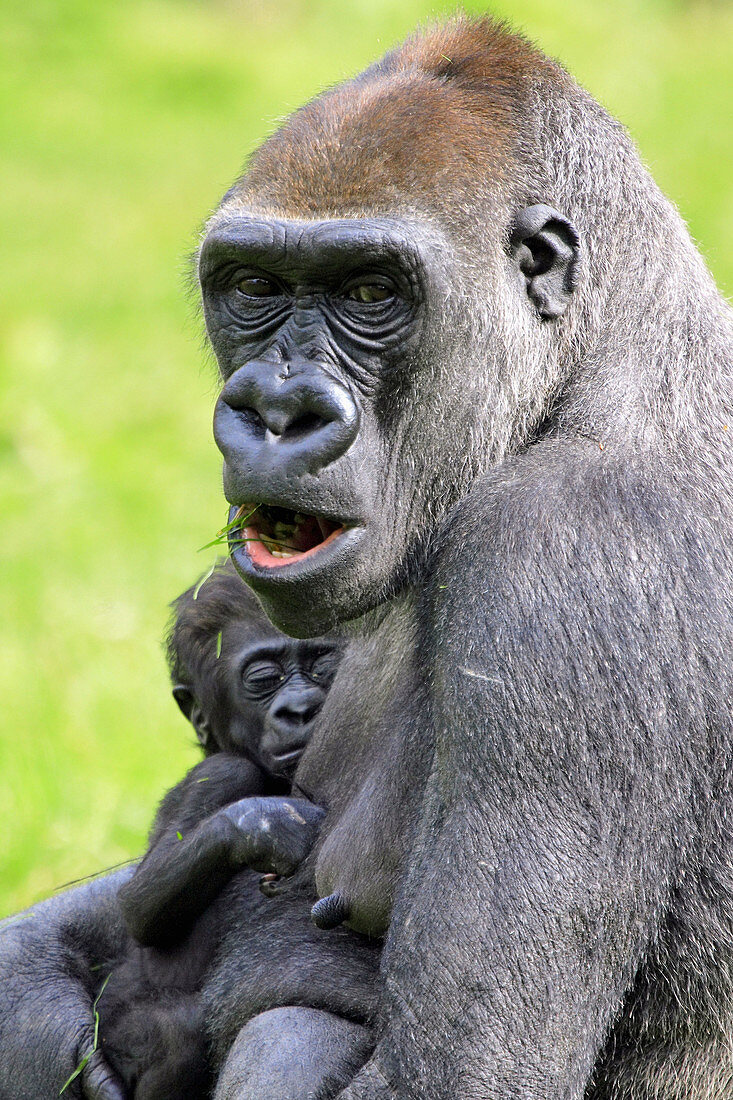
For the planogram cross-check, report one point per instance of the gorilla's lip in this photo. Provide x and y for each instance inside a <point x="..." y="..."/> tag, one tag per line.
<point x="285" y="763"/>
<point x="274" y="537"/>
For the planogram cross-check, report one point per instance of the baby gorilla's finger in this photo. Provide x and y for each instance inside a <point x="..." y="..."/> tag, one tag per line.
<point x="99" y="1081"/>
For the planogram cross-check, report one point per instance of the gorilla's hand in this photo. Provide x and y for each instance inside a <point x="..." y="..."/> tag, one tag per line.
<point x="272" y="834"/>
<point x="53" y="958"/>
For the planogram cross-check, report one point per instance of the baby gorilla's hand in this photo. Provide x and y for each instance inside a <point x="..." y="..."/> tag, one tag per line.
<point x="271" y="834"/>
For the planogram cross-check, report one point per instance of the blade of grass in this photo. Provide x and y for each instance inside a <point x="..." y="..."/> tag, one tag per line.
<point x="85" y="1060"/>
<point x="222" y="539"/>
<point x="203" y="581"/>
<point x="233" y="525"/>
<point x="95" y="874"/>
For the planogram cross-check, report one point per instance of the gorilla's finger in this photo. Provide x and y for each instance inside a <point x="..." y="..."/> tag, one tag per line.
<point x="99" y="1081"/>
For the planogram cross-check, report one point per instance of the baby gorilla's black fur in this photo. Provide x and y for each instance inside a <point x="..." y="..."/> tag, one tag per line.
<point x="252" y="696"/>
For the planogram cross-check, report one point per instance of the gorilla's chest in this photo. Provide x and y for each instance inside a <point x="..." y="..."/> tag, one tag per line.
<point x="367" y="764"/>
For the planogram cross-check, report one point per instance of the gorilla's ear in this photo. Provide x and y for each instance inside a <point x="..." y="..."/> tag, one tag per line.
<point x="545" y="247"/>
<point x="187" y="701"/>
<point x="184" y="696"/>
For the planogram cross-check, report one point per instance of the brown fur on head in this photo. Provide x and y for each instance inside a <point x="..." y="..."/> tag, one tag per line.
<point x="428" y="121"/>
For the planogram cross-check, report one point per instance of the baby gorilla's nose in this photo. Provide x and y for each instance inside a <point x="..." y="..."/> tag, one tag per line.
<point x="295" y="711"/>
<point x="289" y="724"/>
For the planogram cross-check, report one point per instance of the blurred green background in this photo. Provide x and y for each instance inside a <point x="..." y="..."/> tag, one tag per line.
<point x="121" y="124"/>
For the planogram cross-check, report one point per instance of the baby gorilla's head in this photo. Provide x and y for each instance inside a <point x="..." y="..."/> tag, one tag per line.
<point x="245" y="687"/>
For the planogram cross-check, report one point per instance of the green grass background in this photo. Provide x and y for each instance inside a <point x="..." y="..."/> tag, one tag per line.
<point x="121" y="124"/>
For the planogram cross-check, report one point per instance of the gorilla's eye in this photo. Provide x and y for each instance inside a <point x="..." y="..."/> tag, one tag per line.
<point x="324" y="668"/>
<point x="368" y="294"/>
<point x="261" y="678"/>
<point x="255" y="286"/>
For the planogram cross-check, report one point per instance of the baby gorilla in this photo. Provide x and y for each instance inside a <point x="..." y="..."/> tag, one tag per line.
<point x="252" y="696"/>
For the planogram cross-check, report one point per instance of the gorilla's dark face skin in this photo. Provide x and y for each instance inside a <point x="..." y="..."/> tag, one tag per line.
<point x="333" y="338"/>
<point x="275" y="688"/>
<point x="313" y="324"/>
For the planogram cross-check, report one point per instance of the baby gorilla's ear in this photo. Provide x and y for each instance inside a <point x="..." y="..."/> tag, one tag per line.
<point x="184" y="696"/>
<point x="189" y="704"/>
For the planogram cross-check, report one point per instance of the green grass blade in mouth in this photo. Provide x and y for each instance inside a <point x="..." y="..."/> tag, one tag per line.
<point x="285" y="530"/>
<point x="222" y="537"/>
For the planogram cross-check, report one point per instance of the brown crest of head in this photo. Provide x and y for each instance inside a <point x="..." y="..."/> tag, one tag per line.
<point x="419" y="128"/>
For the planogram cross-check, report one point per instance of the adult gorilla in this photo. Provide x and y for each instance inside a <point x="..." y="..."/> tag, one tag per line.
<point x="477" y="392"/>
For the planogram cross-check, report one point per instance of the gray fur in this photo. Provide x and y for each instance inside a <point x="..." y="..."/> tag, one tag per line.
<point x="525" y="757"/>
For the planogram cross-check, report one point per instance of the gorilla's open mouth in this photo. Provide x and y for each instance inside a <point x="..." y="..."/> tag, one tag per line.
<point x="273" y="535"/>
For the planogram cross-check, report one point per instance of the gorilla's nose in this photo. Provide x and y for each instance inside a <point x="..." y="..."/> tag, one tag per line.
<point x="296" y="714"/>
<point x="289" y="419"/>
<point x="290" y="720"/>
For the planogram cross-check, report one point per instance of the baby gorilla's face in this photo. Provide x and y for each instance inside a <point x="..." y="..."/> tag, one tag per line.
<point x="276" y="686"/>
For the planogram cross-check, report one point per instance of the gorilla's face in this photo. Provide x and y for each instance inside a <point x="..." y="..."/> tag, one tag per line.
<point x="370" y="373"/>
<point x="320" y="333"/>
<point x="275" y="688"/>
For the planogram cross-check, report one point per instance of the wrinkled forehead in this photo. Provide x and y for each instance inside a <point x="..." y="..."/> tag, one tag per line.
<point x="266" y="238"/>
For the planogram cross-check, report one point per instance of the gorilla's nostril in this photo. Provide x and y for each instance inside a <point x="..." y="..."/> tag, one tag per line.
<point x="287" y="424"/>
<point x="308" y="422"/>
<point x="290" y="425"/>
<point x="252" y="421"/>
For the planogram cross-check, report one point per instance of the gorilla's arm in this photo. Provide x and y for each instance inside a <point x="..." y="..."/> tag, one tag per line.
<point x="211" y="825"/>
<point x="573" y="768"/>
<point x="53" y="961"/>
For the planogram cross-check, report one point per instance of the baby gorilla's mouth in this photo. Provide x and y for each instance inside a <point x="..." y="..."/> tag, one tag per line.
<point x="272" y="534"/>
<point x="285" y="763"/>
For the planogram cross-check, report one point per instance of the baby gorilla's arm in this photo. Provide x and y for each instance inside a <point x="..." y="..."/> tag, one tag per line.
<point x="179" y="879"/>
<point x="211" y="825"/>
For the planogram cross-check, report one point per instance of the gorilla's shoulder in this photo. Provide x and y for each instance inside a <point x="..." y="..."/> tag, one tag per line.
<point x="545" y="498"/>
<point x="568" y="529"/>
